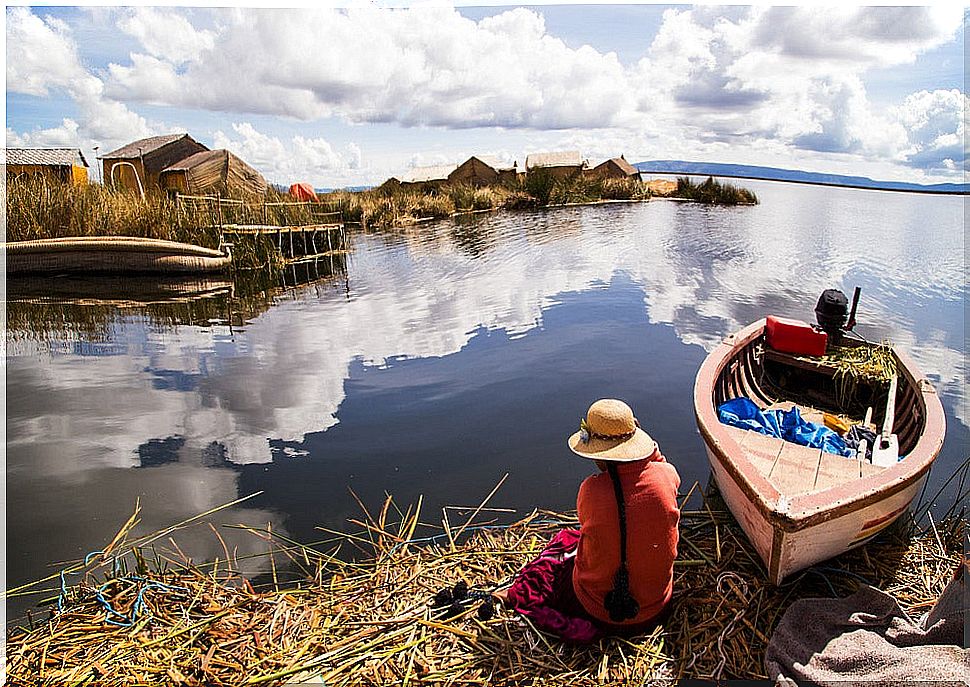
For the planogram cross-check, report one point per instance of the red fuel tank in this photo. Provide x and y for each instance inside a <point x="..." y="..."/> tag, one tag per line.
<point x="794" y="336"/>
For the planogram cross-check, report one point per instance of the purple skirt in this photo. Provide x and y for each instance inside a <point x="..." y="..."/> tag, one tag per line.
<point x="543" y="592"/>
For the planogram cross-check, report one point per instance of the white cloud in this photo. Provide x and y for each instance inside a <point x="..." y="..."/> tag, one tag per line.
<point x="166" y="34"/>
<point x="300" y="159"/>
<point x="794" y="74"/>
<point x="936" y="127"/>
<point x="714" y="82"/>
<point x="856" y="35"/>
<point x="63" y="136"/>
<point x="44" y="56"/>
<point x="426" y="66"/>
<point x="47" y="60"/>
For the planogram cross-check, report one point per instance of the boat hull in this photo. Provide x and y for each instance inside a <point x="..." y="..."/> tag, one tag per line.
<point x="112" y="255"/>
<point x="794" y="523"/>
<point x="787" y="551"/>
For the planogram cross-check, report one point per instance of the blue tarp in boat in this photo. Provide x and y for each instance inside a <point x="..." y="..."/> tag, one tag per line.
<point x="784" y="424"/>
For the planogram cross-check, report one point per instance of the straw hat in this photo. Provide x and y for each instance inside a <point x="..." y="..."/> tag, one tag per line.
<point x="610" y="432"/>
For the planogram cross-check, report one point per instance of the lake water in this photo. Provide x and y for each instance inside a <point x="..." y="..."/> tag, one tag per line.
<point x="437" y="359"/>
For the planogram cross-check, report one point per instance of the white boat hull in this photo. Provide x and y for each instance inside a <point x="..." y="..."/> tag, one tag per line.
<point x="800" y="506"/>
<point x="788" y="551"/>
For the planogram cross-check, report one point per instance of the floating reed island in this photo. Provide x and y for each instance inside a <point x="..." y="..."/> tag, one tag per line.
<point x="38" y="208"/>
<point x="362" y="611"/>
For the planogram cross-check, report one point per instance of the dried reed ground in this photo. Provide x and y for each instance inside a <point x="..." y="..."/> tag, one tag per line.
<point x="369" y="622"/>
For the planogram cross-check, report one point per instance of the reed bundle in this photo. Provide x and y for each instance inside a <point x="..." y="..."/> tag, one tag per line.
<point x="865" y="364"/>
<point x="367" y="619"/>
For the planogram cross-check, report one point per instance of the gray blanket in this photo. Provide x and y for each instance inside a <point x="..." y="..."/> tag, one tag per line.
<point x="866" y="639"/>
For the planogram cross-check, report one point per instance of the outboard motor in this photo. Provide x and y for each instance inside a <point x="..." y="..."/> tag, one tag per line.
<point x="832" y="313"/>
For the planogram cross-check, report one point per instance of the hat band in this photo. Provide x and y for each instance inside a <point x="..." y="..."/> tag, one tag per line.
<point x="585" y="434"/>
<point x="612" y="437"/>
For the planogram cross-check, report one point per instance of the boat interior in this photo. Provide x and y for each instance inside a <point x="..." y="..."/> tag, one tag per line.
<point x="773" y="379"/>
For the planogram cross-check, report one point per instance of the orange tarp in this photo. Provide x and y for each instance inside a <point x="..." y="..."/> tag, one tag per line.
<point x="303" y="191"/>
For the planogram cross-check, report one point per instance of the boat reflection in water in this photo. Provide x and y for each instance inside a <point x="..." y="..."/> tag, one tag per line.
<point x="48" y="304"/>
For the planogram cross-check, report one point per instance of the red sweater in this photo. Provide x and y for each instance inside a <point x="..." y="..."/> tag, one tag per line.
<point x="650" y="495"/>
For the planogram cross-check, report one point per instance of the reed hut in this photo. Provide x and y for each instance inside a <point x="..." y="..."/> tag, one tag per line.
<point x="66" y="165"/>
<point x="481" y="170"/>
<point x="615" y="168"/>
<point x="138" y="165"/>
<point x="561" y="164"/>
<point x="427" y="178"/>
<point x="212" y="172"/>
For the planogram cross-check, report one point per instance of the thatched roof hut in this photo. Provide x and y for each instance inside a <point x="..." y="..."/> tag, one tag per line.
<point x="146" y="158"/>
<point x="615" y="168"/>
<point x="560" y="163"/>
<point x="482" y="170"/>
<point x="427" y="177"/>
<point x="64" y="164"/>
<point x="213" y="171"/>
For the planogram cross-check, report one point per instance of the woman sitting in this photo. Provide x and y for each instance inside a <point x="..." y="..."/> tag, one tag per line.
<point x="615" y="574"/>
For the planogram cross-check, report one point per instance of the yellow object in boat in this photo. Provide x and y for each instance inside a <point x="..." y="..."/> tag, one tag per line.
<point x="836" y="423"/>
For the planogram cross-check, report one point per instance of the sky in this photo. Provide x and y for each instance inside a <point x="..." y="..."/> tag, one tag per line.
<point x="352" y="94"/>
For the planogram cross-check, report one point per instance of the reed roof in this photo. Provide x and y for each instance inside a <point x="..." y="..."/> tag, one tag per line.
<point x="144" y="146"/>
<point x="620" y="162"/>
<point x="429" y="173"/>
<point x="495" y="162"/>
<point x="197" y="159"/>
<point x="219" y="170"/>
<point x="54" y="157"/>
<point x="562" y="158"/>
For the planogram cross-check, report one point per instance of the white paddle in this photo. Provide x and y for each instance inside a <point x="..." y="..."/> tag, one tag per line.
<point x="886" y="450"/>
<point x="864" y="444"/>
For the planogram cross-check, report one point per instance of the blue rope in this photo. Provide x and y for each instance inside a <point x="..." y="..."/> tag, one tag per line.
<point x="110" y="613"/>
<point x="825" y="578"/>
<point x="62" y="597"/>
<point x="139" y="605"/>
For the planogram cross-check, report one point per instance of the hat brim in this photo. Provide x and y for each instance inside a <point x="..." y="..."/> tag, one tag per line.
<point x="637" y="447"/>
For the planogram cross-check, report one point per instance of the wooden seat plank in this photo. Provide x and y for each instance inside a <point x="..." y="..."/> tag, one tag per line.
<point x="834" y="470"/>
<point x="762" y="451"/>
<point x="795" y="469"/>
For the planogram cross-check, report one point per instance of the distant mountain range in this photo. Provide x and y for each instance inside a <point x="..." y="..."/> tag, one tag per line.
<point x="792" y="175"/>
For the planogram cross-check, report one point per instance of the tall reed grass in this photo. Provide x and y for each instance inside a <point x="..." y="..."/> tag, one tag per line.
<point x="38" y="208"/>
<point x="714" y="192"/>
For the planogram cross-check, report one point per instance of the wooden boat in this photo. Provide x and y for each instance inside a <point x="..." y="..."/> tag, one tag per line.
<point x="111" y="254"/>
<point x="799" y="505"/>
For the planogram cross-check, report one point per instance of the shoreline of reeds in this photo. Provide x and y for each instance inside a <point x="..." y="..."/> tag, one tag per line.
<point x="38" y="208"/>
<point x="142" y="613"/>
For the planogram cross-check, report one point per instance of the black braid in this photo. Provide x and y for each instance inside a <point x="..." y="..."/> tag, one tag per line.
<point x="618" y="601"/>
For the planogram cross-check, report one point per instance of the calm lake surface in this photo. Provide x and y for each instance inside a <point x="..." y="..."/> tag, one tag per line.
<point x="440" y="358"/>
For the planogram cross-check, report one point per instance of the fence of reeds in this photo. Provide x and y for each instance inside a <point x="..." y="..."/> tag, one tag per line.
<point x="364" y="611"/>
